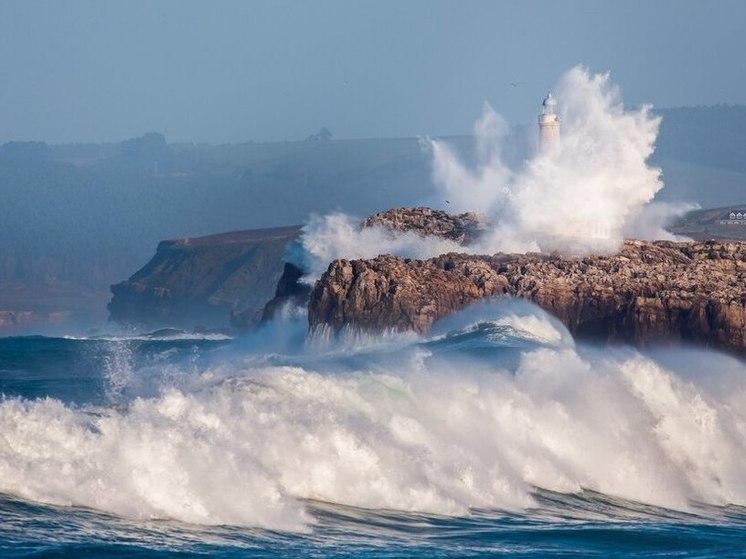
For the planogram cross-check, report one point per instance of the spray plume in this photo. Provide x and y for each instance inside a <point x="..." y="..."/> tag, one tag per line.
<point x="582" y="194"/>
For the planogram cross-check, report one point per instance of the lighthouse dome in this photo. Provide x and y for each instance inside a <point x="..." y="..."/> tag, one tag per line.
<point x="550" y="103"/>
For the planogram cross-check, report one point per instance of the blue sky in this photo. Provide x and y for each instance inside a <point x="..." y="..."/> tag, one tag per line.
<point x="229" y="71"/>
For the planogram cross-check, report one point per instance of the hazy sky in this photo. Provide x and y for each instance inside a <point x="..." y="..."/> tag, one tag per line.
<point x="227" y="71"/>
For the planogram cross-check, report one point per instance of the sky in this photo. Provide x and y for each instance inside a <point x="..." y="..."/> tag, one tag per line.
<point x="235" y="70"/>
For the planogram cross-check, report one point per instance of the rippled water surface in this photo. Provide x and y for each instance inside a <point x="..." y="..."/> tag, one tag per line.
<point x="496" y="435"/>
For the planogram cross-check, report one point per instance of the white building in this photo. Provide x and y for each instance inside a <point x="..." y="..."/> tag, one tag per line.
<point x="734" y="217"/>
<point x="549" y="122"/>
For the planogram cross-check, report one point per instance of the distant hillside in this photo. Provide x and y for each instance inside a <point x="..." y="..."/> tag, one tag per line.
<point x="705" y="224"/>
<point x="707" y="186"/>
<point x="92" y="213"/>
<point x="702" y="151"/>
<point x="710" y="136"/>
<point x="95" y="222"/>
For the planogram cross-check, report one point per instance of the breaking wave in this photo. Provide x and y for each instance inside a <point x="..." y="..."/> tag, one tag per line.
<point x="481" y="415"/>
<point x="580" y="195"/>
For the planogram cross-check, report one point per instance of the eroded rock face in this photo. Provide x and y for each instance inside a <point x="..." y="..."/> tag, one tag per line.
<point x="461" y="228"/>
<point x="290" y="291"/>
<point x="649" y="292"/>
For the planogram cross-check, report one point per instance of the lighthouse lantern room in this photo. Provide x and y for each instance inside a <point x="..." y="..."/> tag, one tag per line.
<point x="549" y="122"/>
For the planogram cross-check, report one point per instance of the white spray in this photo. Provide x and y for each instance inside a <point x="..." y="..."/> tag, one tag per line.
<point x="339" y="235"/>
<point x="582" y="194"/>
<point x="413" y="431"/>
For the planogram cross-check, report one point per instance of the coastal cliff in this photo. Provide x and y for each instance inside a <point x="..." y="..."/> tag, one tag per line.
<point x="649" y="292"/>
<point x="461" y="228"/>
<point x="203" y="280"/>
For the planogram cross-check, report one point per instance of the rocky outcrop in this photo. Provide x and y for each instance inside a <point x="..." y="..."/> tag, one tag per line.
<point x="290" y="291"/>
<point x="460" y="228"/>
<point x="202" y="280"/>
<point x="241" y="275"/>
<point x="649" y="292"/>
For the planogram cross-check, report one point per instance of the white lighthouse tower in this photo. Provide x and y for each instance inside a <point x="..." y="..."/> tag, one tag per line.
<point x="549" y="122"/>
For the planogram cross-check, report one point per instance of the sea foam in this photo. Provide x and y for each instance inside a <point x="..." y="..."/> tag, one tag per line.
<point x="248" y="444"/>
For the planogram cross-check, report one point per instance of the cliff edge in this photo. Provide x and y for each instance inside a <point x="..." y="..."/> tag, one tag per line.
<point x="201" y="280"/>
<point x="649" y="292"/>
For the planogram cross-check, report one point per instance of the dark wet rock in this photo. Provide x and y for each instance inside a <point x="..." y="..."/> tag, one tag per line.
<point x="290" y="291"/>
<point x="649" y="292"/>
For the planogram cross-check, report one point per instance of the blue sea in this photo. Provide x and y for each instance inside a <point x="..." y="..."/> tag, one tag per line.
<point x="495" y="435"/>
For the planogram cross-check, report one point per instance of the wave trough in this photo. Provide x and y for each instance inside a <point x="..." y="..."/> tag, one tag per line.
<point x="426" y="428"/>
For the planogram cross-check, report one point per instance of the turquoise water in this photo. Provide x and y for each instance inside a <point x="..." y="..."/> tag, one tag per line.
<point x="495" y="436"/>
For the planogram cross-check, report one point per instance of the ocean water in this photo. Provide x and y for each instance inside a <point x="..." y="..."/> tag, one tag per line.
<point x="496" y="435"/>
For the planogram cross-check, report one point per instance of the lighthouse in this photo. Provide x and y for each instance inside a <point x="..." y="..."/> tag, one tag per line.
<point x="549" y="122"/>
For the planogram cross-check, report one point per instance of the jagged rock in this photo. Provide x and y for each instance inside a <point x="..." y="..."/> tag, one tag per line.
<point x="290" y="290"/>
<point x="461" y="228"/>
<point x="201" y="280"/>
<point x="649" y="292"/>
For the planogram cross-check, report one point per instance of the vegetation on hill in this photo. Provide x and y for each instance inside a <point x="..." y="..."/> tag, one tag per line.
<point x="95" y="222"/>
<point x="91" y="214"/>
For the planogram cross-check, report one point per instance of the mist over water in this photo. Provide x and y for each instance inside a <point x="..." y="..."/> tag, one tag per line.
<point x="582" y="194"/>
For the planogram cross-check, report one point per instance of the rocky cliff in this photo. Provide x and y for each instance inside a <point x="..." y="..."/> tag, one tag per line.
<point x="460" y="228"/>
<point x="202" y="280"/>
<point x="649" y="292"/>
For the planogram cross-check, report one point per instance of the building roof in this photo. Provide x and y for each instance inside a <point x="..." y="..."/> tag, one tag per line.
<point x="549" y="102"/>
<point x="736" y="211"/>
